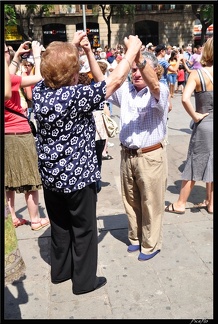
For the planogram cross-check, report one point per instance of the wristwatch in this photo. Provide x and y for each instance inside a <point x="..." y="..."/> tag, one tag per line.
<point x="141" y="65"/>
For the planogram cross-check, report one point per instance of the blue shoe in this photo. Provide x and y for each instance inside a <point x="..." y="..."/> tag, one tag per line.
<point x="144" y="257"/>
<point x="133" y="248"/>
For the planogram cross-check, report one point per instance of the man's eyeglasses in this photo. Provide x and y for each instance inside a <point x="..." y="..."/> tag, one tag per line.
<point x="7" y="51"/>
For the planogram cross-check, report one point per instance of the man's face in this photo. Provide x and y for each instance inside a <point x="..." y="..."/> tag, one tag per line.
<point x="136" y="77"/>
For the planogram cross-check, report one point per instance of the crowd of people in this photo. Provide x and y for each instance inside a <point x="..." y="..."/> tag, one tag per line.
<point x="69" y="85"/>
<point x="177" y="67"/>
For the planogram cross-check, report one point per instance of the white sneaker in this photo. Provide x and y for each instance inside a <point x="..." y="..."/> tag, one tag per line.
<point x="109" y="144"/>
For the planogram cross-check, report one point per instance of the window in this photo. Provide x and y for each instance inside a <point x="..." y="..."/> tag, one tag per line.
<point x="88" y="7"/>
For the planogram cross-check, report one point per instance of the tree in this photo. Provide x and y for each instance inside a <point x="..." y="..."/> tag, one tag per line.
<point x="16" y="15"/>
<point x="119" y="10"/>
<point x="203" y="12"/>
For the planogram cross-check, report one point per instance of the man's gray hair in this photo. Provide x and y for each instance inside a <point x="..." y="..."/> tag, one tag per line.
<point x="150" y="56"/>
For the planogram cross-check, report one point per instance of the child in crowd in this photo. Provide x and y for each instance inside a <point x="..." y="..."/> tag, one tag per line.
<point x="181" y="78"/>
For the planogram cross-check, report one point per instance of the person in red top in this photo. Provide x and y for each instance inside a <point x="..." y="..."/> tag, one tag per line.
<point x="181" y="78"/>
<point x="21" y="160"/>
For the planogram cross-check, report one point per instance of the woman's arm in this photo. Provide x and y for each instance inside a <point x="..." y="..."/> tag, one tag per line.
<point x="33" y="79"/>
<point x="186" y="97"/>
<point x="174" y="68"/>
<point x="94" y="67"/>
<point x="15" y="62"/>
<point x="186" y="66"/>
<point x="120" y="73"/>
<point x="7" y="82"/>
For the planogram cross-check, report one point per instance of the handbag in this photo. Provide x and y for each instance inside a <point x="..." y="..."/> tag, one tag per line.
<point x="110" y="125"/>
<point x="32" y="126"/>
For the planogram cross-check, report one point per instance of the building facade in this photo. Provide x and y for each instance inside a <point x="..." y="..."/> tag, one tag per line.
<point x="156" y="23"/>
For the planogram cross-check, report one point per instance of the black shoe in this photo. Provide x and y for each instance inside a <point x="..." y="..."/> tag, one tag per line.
<point x="101" y="281"/>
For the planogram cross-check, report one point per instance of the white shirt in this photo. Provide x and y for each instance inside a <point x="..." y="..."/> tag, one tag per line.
<point x="143" y="119"/>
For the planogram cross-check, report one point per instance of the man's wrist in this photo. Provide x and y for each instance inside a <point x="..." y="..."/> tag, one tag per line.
<point x="142" y="64"/>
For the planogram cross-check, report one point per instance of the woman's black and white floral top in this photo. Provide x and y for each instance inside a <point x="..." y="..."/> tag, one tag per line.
<point x="66" y="134"/>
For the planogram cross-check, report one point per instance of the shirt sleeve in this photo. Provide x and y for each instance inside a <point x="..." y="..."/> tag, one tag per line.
<point x="162" y="103"/>
<point x="116" y="97"/>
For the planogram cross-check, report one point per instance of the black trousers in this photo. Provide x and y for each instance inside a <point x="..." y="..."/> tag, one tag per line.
<point x="74" y="242"/>
<point x="99" y="146"/>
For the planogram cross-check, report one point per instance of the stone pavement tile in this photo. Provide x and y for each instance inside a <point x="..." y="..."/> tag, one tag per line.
<point x="143" y="310"/>
<point x="200" y="238"/>
<point x="183" y="289"/>
<point x="36" y="254"/>
<point x="191" y="215"/>
<point x="27" y="299"/>
<point x="191" y="312"/>
<point x="176" y="252"/>
<point x="110" y="222"/>
<point x="91" y="308"/>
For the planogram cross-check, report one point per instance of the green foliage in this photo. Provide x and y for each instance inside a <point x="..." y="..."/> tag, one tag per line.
<point x="10" y="14"/>
<point x="207" y="13"/>
<point x="16" y="15"/>
<point x="13" y="14"/>
<point x="124" y="9"/>
<point x="204" y="12"/>
<point x="119" y="10"/>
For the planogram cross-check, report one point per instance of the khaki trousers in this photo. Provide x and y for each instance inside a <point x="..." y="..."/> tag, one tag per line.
<point x="143" y="187"/>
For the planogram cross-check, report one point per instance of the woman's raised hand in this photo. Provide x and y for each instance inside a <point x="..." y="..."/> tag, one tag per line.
<point x="85" y="44"/>
<point x="78" y="36"/>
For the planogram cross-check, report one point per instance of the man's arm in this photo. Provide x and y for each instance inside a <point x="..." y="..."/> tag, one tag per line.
<point x="149" y="75"/>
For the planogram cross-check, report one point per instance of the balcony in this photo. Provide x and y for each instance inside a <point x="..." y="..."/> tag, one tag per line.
<point x="158" y="7"/>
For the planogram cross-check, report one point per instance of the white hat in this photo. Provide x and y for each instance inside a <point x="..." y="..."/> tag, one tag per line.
<point x="103" y="55"/>
<point x="99" y="49"/>
<point x="149" y="44"/>
<point x="85" y="68"/>
<point x="30" y="59"/>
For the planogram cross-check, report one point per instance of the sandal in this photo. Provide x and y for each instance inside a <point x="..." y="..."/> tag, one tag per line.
<point x="201" y="204"/>
<point x="41" y="225"/>
<point x="170" y="209"/>
<point x="19" y="221"/>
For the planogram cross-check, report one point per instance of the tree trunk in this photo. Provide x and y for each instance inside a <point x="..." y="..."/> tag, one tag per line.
<point x="14" y="264"/>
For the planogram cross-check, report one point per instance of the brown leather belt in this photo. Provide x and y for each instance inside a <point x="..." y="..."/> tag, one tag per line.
<point x="141" y="150"/>
<point x="18" y="133"/>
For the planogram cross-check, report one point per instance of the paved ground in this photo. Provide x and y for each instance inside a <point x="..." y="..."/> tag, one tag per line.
<point x="176" y="284"/>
